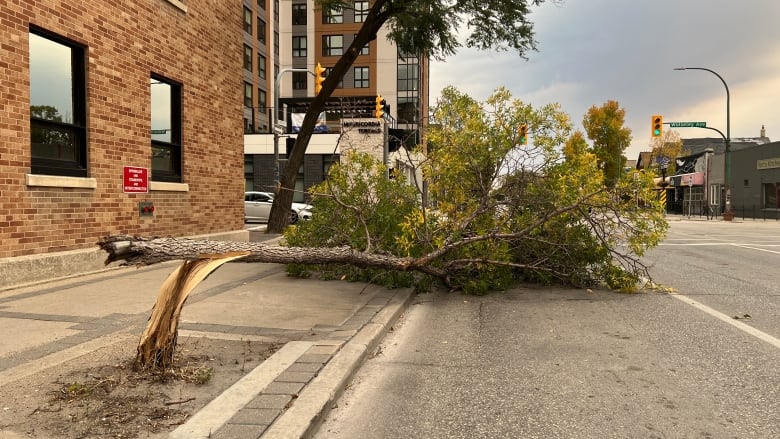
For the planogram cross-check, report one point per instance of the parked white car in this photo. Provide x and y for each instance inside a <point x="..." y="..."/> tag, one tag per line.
<point x="257" y="208"/>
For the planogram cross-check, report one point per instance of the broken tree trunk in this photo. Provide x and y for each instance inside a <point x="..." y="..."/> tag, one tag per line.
<point x="158" y="342"/>
<point x="146" y="251"/>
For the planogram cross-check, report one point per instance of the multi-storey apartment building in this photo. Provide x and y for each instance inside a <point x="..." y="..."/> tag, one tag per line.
<point x="297" y="34"/>
<point x="118" y="118"/>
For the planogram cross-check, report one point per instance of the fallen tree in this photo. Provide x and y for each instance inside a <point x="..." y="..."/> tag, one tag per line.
<point x="145" y="251"/>
<point x="503" y="212"/>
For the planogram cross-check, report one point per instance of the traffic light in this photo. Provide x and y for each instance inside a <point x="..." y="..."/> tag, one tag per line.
<point x="523" y="131"/>
<point x="656" y="125"/>
<point x="319" y="78"/>
<point x="379" y="109"/>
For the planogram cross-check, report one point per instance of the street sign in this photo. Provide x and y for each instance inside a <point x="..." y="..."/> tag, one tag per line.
<point x="688" y="124"/>
<point x="135" y="180"/>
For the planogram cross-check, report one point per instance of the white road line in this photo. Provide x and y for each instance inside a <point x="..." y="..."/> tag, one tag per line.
<point x="731" y="321"/>
<point x="755" y="248"/>
<point x="692" y="244"/>
<point x="700" y="244"/>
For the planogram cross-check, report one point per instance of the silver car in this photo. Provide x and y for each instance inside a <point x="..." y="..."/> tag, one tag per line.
<point x="257" y="208"/>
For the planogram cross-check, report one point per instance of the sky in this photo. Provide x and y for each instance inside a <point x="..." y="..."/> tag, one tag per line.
<point x="592" y="51"/>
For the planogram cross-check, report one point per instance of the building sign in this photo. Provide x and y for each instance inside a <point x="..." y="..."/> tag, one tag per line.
<point x="366" y="135"/>
<point x="696" y="178"/>
<point x="135" y="180"/>
<point x="363" y="126"/>
<point x="296" y="120"/>
<point x="768" y="163"/>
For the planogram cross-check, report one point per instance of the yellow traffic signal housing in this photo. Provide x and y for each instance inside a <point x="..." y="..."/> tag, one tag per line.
<point x="379" y="110"/>
<point x="656" y="125"/>
<point x="523" y="131"/>
<point x="319" y="78"/>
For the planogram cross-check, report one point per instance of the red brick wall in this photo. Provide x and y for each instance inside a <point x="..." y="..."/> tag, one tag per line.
<point x="127" y="41"/>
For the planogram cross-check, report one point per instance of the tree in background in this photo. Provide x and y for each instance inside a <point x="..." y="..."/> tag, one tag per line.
<point x="604" y="126"/>
<point x="426" y="27"/>
<point x="665" y="149"/>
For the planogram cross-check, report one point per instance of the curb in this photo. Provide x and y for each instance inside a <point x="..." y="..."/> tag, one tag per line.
<point x="304" y="417"/>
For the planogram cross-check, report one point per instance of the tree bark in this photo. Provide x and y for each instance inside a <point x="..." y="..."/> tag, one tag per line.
<point x="147" y="251"/>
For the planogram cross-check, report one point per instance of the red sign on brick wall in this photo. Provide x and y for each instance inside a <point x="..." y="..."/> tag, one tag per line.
<point x="136" y="180"/>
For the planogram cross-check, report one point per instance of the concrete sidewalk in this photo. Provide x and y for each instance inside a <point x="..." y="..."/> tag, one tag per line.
<point x="328" y="329"/>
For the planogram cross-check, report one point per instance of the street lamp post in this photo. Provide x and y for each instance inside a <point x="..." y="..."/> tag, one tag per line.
<point x="727" y="154"/>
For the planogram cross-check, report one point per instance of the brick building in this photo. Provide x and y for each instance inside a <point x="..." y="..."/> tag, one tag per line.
<point x="89" y="88"/>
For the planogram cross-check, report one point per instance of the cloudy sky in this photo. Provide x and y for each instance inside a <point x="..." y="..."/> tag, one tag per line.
<point x="592" y="51"/>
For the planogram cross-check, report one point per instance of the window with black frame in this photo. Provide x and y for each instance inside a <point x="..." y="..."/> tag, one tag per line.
<point x="58" y="105"/>
<point x="299" y="14"/>
<point x="361" y="77"/>
<point x="332" y="45"/>
<point x="166" y="129"/>
<point x="299" y="80"/>
<point x="299" y="46"/>
<point x="247" y="20"/>
<point x="247" y="95"/>
<point x="261" y="66"/>
<point x="332" y="15"/>
<point x="361" y="11"/>
<point x="408" y="77"/>
<point x="261" y="31"/>
<point x="247" y="57"/>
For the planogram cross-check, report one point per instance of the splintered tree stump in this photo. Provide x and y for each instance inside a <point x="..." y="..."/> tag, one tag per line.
<point x="158" y="342"/>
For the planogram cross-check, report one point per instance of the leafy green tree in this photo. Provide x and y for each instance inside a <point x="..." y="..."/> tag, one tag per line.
<point x="425" y="27"/>
<point x="502" y="211"/>
<point x="604" y="126"/>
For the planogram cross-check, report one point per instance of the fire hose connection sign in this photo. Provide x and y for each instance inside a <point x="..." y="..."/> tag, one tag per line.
<point x="136" y="180"/>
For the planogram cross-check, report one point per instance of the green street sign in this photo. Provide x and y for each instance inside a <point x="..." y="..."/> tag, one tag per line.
<point x="688" y="124"/>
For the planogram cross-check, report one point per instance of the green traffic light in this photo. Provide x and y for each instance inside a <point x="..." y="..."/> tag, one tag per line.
<point x="657" y="132"/>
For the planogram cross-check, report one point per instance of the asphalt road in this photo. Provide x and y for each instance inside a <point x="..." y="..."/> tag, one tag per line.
<point x="730" y="267"/>
<point x="541" y="363"/>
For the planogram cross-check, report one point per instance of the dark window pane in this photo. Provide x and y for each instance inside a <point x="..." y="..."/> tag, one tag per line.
<point x="247" y="20"/>
<point x="166" y="129"/>
<point x="299" y="14"/>
<point x="50" y="141"/>
<point x="57" y="106"/>
<point x="247" y="57"/>
<point x="261" y="31"/>
<point x="299" y="80"/>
